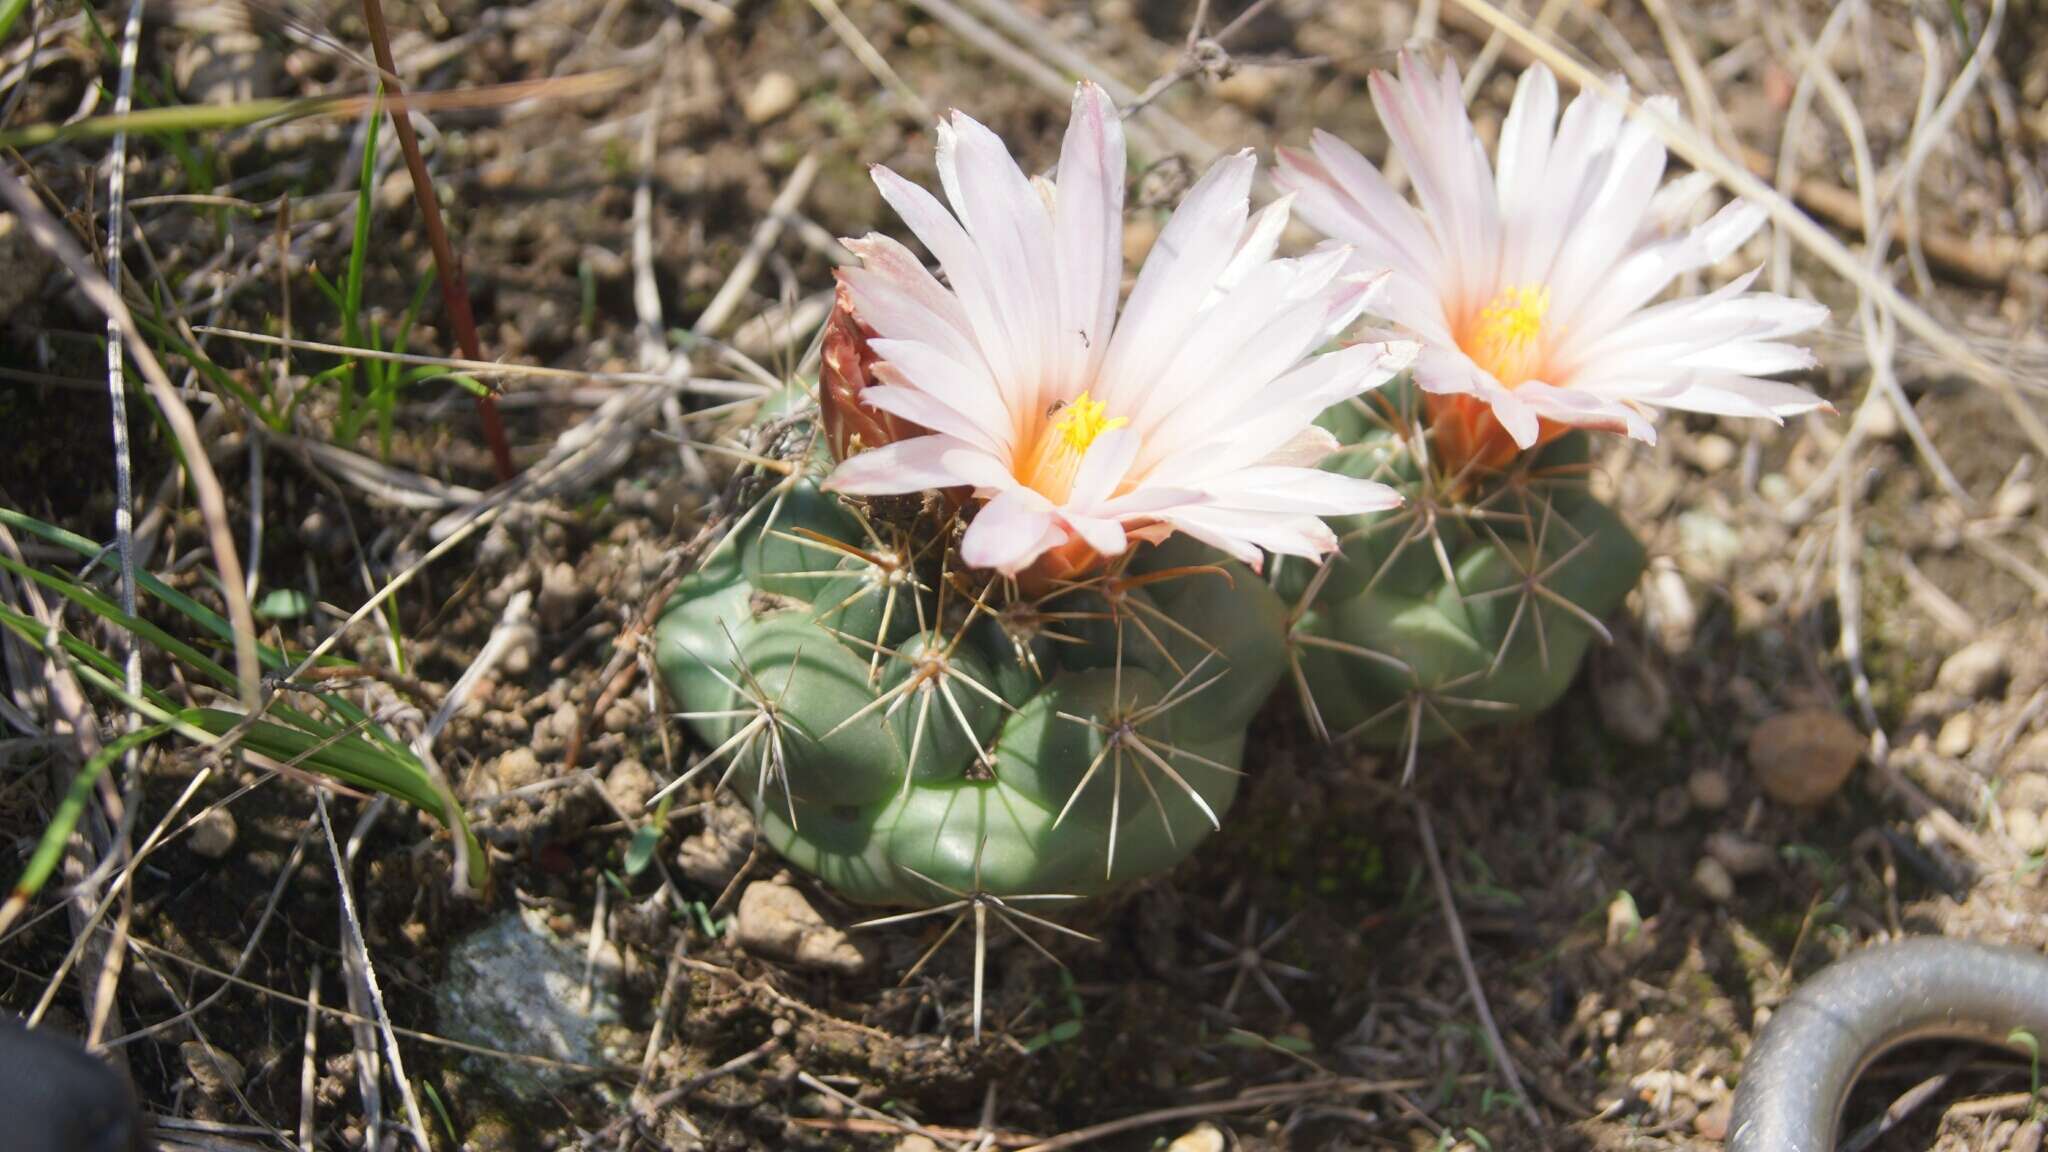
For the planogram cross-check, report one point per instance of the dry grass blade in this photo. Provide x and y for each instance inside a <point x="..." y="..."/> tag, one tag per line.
<point x="51" y="237"/>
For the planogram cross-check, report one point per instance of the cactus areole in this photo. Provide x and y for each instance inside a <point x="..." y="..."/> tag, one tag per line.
<point x="904" y="725"/>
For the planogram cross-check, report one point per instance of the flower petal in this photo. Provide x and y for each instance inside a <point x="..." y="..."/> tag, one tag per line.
<point x="1009" y="532"/>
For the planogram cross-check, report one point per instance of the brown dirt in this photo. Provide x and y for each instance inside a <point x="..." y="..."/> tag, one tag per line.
<point x="1629" y="1034"/>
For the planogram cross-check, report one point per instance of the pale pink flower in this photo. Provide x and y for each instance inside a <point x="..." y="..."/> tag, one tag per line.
<point x="1078" y="428"/>
<point x="1531" y="288"/>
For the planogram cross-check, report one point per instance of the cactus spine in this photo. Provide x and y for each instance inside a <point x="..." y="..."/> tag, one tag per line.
<point x="1473" y="603"/>
<point x="907" y="729"/>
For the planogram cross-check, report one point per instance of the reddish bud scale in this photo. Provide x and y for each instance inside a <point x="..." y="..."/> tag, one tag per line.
<point x="1469" y="441"/>
<point x="848" y="370"/>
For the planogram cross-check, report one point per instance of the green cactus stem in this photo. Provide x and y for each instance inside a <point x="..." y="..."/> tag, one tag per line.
<point x="908" y="731"/>
<point x="1474" y="603"/>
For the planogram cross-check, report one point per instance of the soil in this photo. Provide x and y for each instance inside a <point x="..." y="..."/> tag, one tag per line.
<point x="1627" y="985"/>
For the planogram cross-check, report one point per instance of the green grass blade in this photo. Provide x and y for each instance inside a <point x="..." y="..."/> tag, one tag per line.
<point x="42" y="863"/>
<point x="10" y="11"/>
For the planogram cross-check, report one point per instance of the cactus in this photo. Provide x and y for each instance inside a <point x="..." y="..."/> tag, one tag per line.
<point x="909" y="731"/>
<point x="1473" y="603"/>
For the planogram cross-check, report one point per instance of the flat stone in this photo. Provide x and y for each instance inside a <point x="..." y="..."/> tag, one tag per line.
<point x="212" y="835"/>
<point x="1958" y="734"/>
<point x="1709" y="789"/>
<point x="1804" y="756"/>
<point x="1740" y="855"/>
<point x="217" y="1074"/>
<point x="772" y="96"/>
<point x="777" y="921"/>
<point x="517" y="768"/>
<point x="1974" y="670"/>
<point x="630" y="785"/>
<point x="515" y="986"/>
<point x="1713" y="880"/>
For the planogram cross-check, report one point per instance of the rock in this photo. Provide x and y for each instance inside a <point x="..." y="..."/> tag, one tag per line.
<point x="1708" y="788"/>
<point x="2027" y="831"/>
<point x="1671" y="807"/>
<point x="217" y="1074"/>
<point x="777" y="921"/>
<point x="1203" y="1137"/>
<point x="1668" y="609"/>
<point x="1708" y="545"/>
<point x="2027" y="1138"/>
<point x="1740" y="855"/>
<point x="515" y="986"/>
<point x="1712" y="1122"/>
<point x="1713" y="452"/>
<point x="212" y="835"/>
<point x="1713" y="880"/>
<point x="518" y="768"/>
<point x="1634" y="703"/>
<point x="1974" y="670"/>
<point x="1252" y="89"/>
<point x="1958" y="734"/>
<point x="916" y="1143"/>
<point x="712" y="857"/>
<point x="630" y="785"/>
<point x="772" y="96"/>
<point x="1802" y="757"/>
<point x="559" y="594"/>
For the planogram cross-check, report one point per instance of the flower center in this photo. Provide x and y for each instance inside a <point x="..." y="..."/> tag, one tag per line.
<point x="1506" y="338"/>
<point x="1051" y="465"/>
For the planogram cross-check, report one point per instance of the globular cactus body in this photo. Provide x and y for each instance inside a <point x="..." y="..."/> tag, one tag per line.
<point x="1473" y="603"/>
<point x="898" y="743"/>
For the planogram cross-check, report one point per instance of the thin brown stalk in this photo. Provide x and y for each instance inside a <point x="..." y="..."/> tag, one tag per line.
<point x="447" y="269"/>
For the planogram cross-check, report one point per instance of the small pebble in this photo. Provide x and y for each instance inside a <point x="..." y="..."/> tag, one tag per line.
<point x="213" y="835"/>
<point x="777" y="920"/>
<point x="1708" y="788"/>
<point x="559" y="593"/>
<point x="1802" y="757"/>
<point x="630" y="785"/>
<point x="1974" y="670"/>
<point x="1740" y="855"/>
<point x="518" y="768"/>
<point x="215" y="1072"/>
<point x="1672" y="805"/>
<point x="1669" y="610"/>
<point x="1713" y="880"/>
<point x="2027" y="831"/>
<point x="1958" y="734"/>
<point x="1251" y="89"/>
<point x="772" y="96"/>
<point x="1714" y="452"/>
<point x="1712" y="1122"/>
<point x="1203" y="1137"/>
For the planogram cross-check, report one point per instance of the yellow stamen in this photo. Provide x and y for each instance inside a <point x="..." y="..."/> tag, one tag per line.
<point x="1080" y="422"/>
<point x="1075" y="426"/>
<point x="1507" y="339"/>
